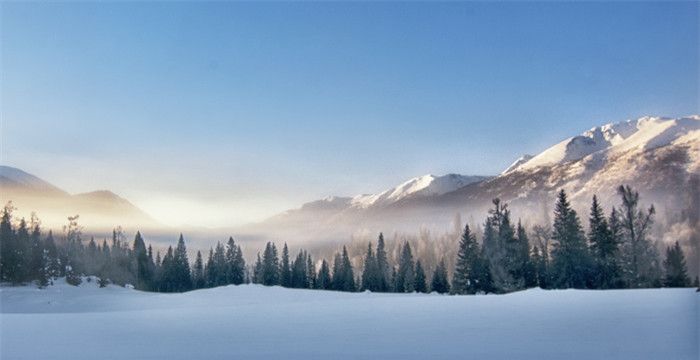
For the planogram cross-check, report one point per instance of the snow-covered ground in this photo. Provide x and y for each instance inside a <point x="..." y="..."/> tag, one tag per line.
<point x="251" y="321"/>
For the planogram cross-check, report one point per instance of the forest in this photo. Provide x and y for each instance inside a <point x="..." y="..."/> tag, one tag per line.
<point x="615" y="252"/>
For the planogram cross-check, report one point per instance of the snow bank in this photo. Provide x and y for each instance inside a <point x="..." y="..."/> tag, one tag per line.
<point x="252" y="321"/>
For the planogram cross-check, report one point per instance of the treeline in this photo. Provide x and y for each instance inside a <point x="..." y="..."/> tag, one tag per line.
<point x="27" y="256"/>
<point x="614" y="252"/>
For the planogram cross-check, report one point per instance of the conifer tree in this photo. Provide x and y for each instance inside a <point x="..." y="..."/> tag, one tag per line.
<point x="258" y="270"/>
<point x="338" y="275"/>
<point x="343" y="275"/>
<point x="525" y="268"/>
<point x="198" y="272"/>
<point x="420" y="281"/>
<point x="270" y="266"/>
<point x="465" y="278"/>
<point x="38" y="261"/>
<point x="500" y="248"/>
<point x="349" y="278"/>
<point x="181" y="270"/>
<point x="285" y="269"/>
<point x="238" y="267"/>
<point x="299" y="277"/>
<point x="143" y="266"/>
<point x="311" y="272"/>
<point x="167" y="281"/>
<point x="604" y="249"/>
<point x="19" y="267"/>
<point x="440" y="283"/>
<point x="210" y="270"/>
<point x="221" y="265"/>
<point x="8" y="254"/>
<point x="230" y="259"/>
<point x="570" y="254"/>
<point x="676" y="270"/>
<point x="405" y="276"/>
<point x="323" y="279"/>
<point x="370" y="274"/>
<point x="385" y="280"/>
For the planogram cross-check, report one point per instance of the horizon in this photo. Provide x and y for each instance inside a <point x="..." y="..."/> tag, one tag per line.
<point x="268" y="106"/>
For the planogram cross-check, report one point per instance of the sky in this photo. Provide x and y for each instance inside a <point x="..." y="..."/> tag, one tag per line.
<point x="218" y="114"/>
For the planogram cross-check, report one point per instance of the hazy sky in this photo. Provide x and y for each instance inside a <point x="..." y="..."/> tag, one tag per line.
<point x="222" y="113"/>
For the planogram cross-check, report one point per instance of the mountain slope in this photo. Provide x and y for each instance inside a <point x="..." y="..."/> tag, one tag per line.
<point x="422" y="186"/>
<point x="98" y="209"/>
<point x="13" y="179"/>
<point x="659" y="157"/>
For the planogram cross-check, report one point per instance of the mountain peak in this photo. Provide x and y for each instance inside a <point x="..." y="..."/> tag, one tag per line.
<point x="521" y="160"/>
<point x="647" y="132"/>
<point x="19" y="180"/>
<point x="425" y="185"/>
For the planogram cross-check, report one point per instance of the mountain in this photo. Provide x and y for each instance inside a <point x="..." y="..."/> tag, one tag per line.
<point x="16" y="180"/>
<point x="98" y="209"/>
<point x="659" y="157"/>
<point x="420" y="187"/>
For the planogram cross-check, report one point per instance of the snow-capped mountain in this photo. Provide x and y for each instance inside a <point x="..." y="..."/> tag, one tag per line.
<point x="517" y="163"/>
<point x="659" y="157"/>
<point x="616" y="138"/>
<point x="421" y="186"/>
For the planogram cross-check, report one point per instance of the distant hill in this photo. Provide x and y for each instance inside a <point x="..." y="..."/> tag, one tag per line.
<point x="98" y="209"/>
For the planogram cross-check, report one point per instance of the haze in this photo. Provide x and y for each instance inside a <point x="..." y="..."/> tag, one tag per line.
<point x="220" y="114"/>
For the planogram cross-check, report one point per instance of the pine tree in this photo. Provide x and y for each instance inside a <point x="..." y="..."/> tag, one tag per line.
<point x="405" y="276"/>
<point x="323" y="279"/>
<point x="299" y="278"/>
<point x="393" y="280"/>
<point x="511" y="261"/>
<point x="230" y="257"/>
<point x="285" y="269"/>
<point x="570" y="254"/>
<point x="198" y="272"/>
<point x="440" y="282"/>
<point x="258" y="270"/>
<point x="181" y="270"/>
<point x="311" y="272"/>
<point x="465" y="278"/>
<point x="144" y="276"/>
<point x="525" y="268"/>
<point x="270" y="266"/>
<point x="500" y="248"/>
<point x="8" y="247"/>
<point x="216" y="266"/>
<point x="338" y="276"/>
<point x="420" y="281"/>
<point x="676" y="270"/>
<point x="348" y="278"/>
<point x="640" y="265"/>
<point x="238" y="267"/>
<point x="39" y="260"/>
<point x="370" y="273"/>
<point x="604" y="249"/>
<point x="18" y="266"/>
<point x="384" y="282"/>
<point x="343" y="275"/>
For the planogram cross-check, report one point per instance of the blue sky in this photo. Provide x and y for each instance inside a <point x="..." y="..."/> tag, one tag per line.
<point x="242" y="110"/>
